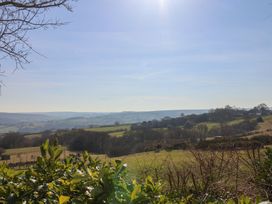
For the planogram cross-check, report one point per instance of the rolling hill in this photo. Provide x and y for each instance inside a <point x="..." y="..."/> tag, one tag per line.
<point x="36" y="122"/>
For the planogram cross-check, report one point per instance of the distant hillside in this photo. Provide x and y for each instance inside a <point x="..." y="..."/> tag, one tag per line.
<point x="65" y="115"/>
<point x="14" y="118"/>
<point x="36" y="122"/>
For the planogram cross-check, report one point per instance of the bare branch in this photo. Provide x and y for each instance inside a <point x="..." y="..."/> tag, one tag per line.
<point x="17" y="18"/>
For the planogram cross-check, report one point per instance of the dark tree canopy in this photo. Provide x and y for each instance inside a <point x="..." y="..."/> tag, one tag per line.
<point x="17" y="18"/>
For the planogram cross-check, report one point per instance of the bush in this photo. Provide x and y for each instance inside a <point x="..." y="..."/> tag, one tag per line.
<point x="87" y="180"/>
<point x="263" y="178"/>
<point x="74" y="180"/>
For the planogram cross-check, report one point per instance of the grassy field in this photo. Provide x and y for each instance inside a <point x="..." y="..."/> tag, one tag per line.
<point x="140" y="164"/>
<point x="153" y="160"/>
<point x="31" y="136"/>
<point x="116" y="130"/>
<point x="212" y="125"/>
<point x="267" y="124"/>
<point x="135" y="162"/>
<point x="28" y="154"/>
<point x="109" y="128"/>
<point x="264" y="128"/>
<point x="117" y="134"/>
<point x="235" y="122"/>
<point x="22" y="150"/>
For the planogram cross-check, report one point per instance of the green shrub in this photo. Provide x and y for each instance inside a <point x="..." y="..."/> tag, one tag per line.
<point x="74" y="180"/>
<point x="84" y="180"/>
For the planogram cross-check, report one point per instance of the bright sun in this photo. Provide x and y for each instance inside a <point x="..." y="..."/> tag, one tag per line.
<point x="162" y="3"/>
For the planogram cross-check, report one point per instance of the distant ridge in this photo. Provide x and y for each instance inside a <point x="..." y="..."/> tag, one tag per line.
<point x="36" y="122"/>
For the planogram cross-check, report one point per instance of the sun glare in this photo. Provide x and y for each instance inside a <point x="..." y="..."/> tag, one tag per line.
<point x="162" y="4"/>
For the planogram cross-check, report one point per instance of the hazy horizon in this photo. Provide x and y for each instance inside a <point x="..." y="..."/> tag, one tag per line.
<point x="143" y="55"/>
<point x="109" y="112"/>
<point x="151" y="110"/>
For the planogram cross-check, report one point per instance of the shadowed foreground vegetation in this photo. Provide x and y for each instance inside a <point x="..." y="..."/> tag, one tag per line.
<point x="208" y="177"/>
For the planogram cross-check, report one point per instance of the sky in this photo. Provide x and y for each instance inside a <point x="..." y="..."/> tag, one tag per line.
<point x="140" y="55"/>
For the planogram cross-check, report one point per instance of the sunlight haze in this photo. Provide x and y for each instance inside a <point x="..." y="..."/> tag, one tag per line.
<point x="139" y="55"/>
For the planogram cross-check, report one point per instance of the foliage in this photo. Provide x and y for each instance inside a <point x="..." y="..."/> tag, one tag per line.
<point x="87" y="180"/>
<point x="219" y="115"/>
<point x="263" y="177"/>
<point x="17" y="140"/>
<point x="229" y="123"/>
<point x="74" y="180"/>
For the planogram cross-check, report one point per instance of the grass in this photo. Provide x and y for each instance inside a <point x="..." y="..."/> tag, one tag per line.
<point x="31" y="136"/>
<point x="267" y="124"/>
<point x="135" y="162"/>
<point x="235" y="122"/>
<point x="22" y="154"/>
<point x="149" y="160"/>
<point x="109" y="128"/>
<point x="138" y="164"/>
<point x="211" y="125"/>
<point x="117" y="134"/>
<point x="22" y="150"/>
<point x="115" y="131"/>
<point x="264" y="128"/>
<point x="28" y="154"/>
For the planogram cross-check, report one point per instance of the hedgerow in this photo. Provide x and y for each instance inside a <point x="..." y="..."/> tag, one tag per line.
<point x="82" y="179"/>
<point x="74" y="180"/>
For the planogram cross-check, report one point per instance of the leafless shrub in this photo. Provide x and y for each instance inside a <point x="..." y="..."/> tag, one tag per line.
<point x="259" y="165"/>
<point x="208" y="175"/>
<point x="212" y="173"/>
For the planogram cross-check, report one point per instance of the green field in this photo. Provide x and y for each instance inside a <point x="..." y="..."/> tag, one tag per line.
<point x="117" y="134"/>
<point x="135" y="162"/>
<point x="154" y="160"/>
<point x="211" y="125"/>
<point x="116" y="130"/>
<point x="31" y="136"/>
<point x="235" y="122"/>
<point x="146" y="159"/>
<point x="109" y="128"/>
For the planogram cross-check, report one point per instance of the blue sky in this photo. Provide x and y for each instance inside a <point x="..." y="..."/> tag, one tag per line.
<point x="121" y="55"/>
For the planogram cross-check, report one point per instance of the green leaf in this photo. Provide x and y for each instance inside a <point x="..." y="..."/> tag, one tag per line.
<point x="58" y="152"/>
<point x="44" y="148"/>
<point x="63" y="199"/>
<point x="136" y="191"/>
<point x="231" y="201"/>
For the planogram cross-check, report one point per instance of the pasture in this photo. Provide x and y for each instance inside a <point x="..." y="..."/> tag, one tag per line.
<point x="135" y="162"/>
<point x="28" y="154"/>
<point x="267" y="124"/>
<point x="115" y="130"/>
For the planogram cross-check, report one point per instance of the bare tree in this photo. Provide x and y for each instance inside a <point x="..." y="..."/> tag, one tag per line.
<point x="17" y="18"/>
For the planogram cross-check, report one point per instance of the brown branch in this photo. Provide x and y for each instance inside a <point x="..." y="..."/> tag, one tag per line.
<point x="17" y="18"/>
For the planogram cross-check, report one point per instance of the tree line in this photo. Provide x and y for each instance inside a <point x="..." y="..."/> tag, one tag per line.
<point x="173" y="133"/>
